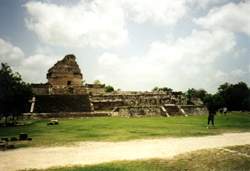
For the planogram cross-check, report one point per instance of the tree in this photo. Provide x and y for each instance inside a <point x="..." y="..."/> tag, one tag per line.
<point x="218" y="101"/>
<point x="14" y="93"/>
<point x="213" y="102"/>
<point x="201" y="93"/>
<point x="234" y="95"/>
<point x="246" y="103"/>
<point x="164" y="89"/>
<point x="109" y="89"/>
<point x="193" y="93"/>
<point x="223" y="88"/>
<point x="155" y="89"/>
<point x="97" y="82"/>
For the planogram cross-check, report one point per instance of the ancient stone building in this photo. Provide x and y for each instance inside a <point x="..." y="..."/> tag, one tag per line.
<point x="65" y="92"/>
<point x="64" y="78"/>
<point x="65" y="72"/>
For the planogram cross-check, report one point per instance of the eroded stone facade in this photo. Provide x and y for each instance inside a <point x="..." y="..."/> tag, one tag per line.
<point x="64" y="78"/>
<point x="65" y="72"/>
<point x="145" y="103"/>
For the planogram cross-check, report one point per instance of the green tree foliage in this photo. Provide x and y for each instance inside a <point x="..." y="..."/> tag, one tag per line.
<point x="164" y="89"/>
<point x="213" y="102"/>
<point x="97" y="82"/>
<point x="193" y="93"/>
<point x="109" y="89"/>
<point x="155" y="89"/>
<point x="235" y="95"/>
<point x="232" y="96"/>
<point x="14" y="93"/>
<point x="246" y="103"/>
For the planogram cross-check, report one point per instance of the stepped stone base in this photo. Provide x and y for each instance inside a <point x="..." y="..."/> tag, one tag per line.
<point x="62" y="103"/>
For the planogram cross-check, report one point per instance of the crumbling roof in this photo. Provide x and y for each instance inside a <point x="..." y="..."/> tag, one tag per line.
<point x="67" y="65"/>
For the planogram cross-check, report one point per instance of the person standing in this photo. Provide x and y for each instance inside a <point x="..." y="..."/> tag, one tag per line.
<point x="211" y="102"/>
<point x="211" y="114"/>
<point x="225" y="111"/>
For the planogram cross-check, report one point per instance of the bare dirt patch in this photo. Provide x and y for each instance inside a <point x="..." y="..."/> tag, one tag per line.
<point x="97" y="152"/>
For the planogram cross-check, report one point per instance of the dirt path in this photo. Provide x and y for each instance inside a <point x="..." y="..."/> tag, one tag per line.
<point x="98" y="152"/>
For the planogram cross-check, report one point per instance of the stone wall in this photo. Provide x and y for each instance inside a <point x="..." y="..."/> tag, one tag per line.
<point x="95" y="88"/>
<point x="195" y="109"/>
<point x="67" y="90"/>
<point x="139" y="111"/>
<point x="109" y="100"/>
<point x="40" y="89"/>
<point x="103" y="102"/>
<point x="45" y="89"/>
<point x="145" y="104"/>
<point x="65" y="79"/>
<point x="62" y="103"/>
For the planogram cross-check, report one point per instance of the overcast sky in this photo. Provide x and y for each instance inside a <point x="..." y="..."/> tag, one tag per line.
<point x="131" y="44"/>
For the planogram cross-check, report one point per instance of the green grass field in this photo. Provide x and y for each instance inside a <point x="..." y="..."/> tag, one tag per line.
<point x="205" y="160"/>
<point x="120" y="129"/>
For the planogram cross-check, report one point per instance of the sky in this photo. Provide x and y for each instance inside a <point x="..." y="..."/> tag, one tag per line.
<point x="130" y="44"/>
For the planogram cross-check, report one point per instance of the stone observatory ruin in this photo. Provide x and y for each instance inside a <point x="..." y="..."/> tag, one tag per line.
<point x="64" y="91"/>
<point x="65" y="73"/>
<point x="65" y="94"/>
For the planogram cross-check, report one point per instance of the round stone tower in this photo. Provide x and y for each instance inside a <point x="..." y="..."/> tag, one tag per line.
<point x="65" y="72"/>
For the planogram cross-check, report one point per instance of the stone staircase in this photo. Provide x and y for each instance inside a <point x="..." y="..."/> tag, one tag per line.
<point x="173" y="109"/>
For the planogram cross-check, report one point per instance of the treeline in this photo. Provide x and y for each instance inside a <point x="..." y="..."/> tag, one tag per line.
<point x="14" y="95"/>
<point x="235" y="97"/>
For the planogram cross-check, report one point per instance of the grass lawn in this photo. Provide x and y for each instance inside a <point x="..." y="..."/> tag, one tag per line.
<point x="215" y="159"/>
<point x="120" y="129"/>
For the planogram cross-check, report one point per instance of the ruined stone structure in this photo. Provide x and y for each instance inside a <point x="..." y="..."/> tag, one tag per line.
<point x="95" y="88"/>
<point x="65" y="92"/>
<point x="145" y="103"/>
<point x="65" y="73"/>
<point x="64" y="77"/>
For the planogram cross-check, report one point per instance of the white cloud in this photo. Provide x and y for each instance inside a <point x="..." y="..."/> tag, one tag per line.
<point x="204" y="4"/>
<point x="198" y="48"/>
<point x="238" y="73"/>
<point x="232" y="17"/>
<point x="10" y="54"/>
<point x="98" y="23"/>
<point x="160" y="12"/>
<point x="29" y="67"/>
<point x="178" y="63"/>
<point x="182" y="63"/>
<point x="89" y="23"/>
<point x="108" y="59"/>
<point x="233" y="76"/>
<point x="34" y="68"/>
